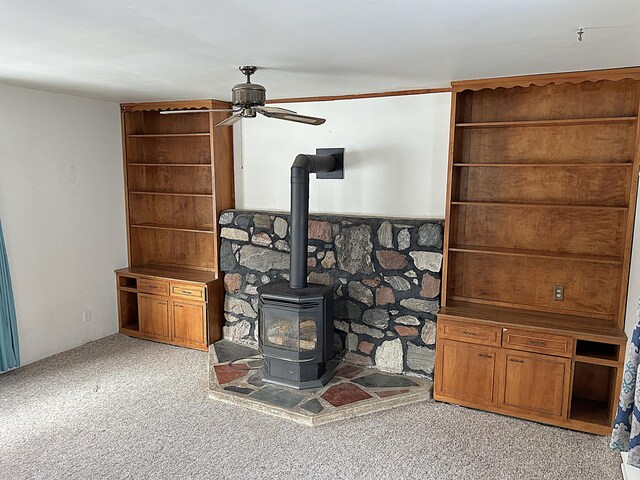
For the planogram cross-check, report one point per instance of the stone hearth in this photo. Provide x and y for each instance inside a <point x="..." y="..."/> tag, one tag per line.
<point x="234" y="377"/>
<point x="385" y="274"/>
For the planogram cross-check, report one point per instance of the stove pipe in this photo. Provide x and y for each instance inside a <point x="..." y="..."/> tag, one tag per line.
<point x="300" y="170"/>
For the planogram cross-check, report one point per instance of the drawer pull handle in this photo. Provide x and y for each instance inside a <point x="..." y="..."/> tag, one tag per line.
<point x="485" y="355"/>
<point x="186" y="292"/>
<point x="467" y="332"/>
<point x="162" y="303"/>
<point x="537" y="344"/>
<point x="178" y="305"/>
<point x="515" y="360"/>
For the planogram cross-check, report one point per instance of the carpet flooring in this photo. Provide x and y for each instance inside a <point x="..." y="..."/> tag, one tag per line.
<point x="125" y="408"/>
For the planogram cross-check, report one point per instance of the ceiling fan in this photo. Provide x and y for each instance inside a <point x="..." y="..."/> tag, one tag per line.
<point x="248" y="100"/>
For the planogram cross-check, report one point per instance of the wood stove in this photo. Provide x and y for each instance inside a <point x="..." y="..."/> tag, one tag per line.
<point x="295" y="318"/>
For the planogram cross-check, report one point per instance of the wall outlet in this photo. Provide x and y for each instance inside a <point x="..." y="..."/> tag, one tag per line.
<point x="86" y="316"/>
<point x="558" y="293"/>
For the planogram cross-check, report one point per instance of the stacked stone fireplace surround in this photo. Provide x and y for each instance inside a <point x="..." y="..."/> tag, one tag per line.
<point x="385" y="274"/>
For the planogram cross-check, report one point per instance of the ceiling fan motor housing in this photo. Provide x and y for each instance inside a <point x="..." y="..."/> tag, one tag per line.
<point x="248" y="95"/>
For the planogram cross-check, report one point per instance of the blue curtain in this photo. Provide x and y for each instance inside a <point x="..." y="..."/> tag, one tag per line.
<point x="9" y="350"/>
<point x="626" y="427"/>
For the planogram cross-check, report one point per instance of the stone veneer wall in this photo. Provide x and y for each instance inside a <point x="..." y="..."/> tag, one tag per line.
<point x="385" y="272"/>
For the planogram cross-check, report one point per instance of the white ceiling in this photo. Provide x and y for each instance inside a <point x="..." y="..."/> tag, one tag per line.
<point x="126" y="50"/>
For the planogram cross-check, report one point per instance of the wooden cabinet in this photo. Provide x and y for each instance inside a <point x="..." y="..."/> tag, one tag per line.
<point x="542" y="186"/>
<point x="457" y="359"/>
<point x="153" y="314"/>
<point x="178" y="173"/>
<point x="534" y="383"/>
<point x="175" y="306"/>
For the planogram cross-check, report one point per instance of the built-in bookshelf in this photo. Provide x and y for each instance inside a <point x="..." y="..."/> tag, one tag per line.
<point x="178" y="178"/>
<point x="542" y="185"/>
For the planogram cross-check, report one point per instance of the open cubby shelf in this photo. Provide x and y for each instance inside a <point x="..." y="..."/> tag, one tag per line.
<point x="593" y="394"/>
<point x="128" y="308"/>
<point x="542" y="192"/>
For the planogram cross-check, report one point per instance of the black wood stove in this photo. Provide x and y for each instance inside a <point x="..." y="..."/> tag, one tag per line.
<point x="296" y="318"/>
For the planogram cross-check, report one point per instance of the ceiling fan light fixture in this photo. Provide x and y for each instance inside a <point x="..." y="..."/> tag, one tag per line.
<point x="248" y="100"/>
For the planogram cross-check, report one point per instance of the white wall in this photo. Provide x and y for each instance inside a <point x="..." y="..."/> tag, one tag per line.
<point x="395" y="156"/>
<point x="62" y="211"/>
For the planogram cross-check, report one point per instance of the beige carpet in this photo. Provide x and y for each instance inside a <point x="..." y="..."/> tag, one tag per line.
<point x="125" y="408"/>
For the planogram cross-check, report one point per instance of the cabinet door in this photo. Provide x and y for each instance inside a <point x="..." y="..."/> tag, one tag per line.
<point x="534" y="383"/>
<point x="153" y="315"/>
<point x="466" y="372"/>
<point x="189" y="324"/>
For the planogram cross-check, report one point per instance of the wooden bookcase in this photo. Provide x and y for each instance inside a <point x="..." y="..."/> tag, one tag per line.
<point x="542" y="184"/>
<point x="178" y="178"/>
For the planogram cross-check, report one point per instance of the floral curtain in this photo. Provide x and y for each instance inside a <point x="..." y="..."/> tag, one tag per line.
<point x="9" y="350"/>
<point x="626" y="428"/>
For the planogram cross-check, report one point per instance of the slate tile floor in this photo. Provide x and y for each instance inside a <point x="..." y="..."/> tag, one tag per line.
<point x="235" y="377"/>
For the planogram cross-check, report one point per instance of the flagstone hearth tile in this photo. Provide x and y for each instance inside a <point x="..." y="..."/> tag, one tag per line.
<point x="313" y="406"/>
<point x="281" y="397"/>
<point x="348" y="371"/>
<point x="380" y="380"/>
<point x="390" y="393"/>
<point x="229" y="373"/>
<point x="243" y="390"/>
<point x="225" y="351"/>
<point x="256" y="380"/>
<point x="344" y="393"/>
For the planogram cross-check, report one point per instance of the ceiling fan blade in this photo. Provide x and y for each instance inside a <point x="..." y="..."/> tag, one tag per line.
<point x="274" y="110"/>
<point x="231" y="120"/>
<point x="170" y="112"/>
<point x="294" y="118"/>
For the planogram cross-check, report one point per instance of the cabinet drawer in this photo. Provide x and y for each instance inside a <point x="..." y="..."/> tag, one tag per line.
<point x="469" y="332"/>
<point x="188" y="291"/>
<point x="157" y="287"/>
<point x="537" y="342"/>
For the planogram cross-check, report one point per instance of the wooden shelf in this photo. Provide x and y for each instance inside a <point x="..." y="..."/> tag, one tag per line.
<point x="174" y="194"/>
<point x="538" y="205"/>
<point x="128" y="289"/>
<point x="589" y="328"/>
<point x="548" y="123"/>
<point x="590" y="411"/>
<point x="207" y="165"/>
<point x="535" y="254"/>
<point x="596" y="361"/>
<point x="591" y="165"/>
<point x="159" y="135"/>
<point x="170" y="273"/>
<point x="174" y="228"/>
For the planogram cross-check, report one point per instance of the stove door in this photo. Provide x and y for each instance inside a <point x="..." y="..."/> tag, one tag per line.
<point x="293" y="328"/>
